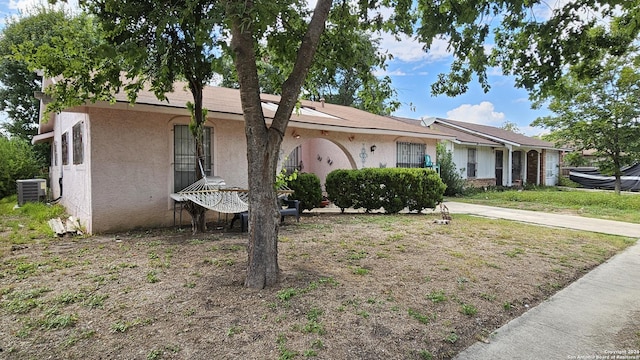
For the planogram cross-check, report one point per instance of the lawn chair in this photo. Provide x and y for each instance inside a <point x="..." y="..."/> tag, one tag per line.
<point x="292" y="209"/>
<point x="430" y="165"/>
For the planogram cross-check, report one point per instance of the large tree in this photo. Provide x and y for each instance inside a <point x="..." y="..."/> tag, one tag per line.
<point x="599" y="112"/>
<point x="17" y="82"/>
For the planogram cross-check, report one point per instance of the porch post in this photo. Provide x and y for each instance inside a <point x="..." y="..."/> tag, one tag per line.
<point x="509" y="165"/>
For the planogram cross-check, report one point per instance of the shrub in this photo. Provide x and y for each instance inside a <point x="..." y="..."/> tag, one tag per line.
<point x="392" y="189"/>
<point x="449" y="172"/>
<point x="341" y="187"/>
<point x="566" y="182"/>
<point x="307" y="189"/>
<point x="17" y="161"/>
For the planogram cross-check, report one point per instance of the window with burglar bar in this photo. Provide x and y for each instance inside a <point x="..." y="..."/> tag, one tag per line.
<point x="410" y="155"/>
<point x="184" y="156"/>
<point x="292" y="162"/>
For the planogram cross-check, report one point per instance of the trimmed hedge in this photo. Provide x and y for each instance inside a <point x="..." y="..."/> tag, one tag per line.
<point x="307" y="189"/>
<point x="390" y="188"/>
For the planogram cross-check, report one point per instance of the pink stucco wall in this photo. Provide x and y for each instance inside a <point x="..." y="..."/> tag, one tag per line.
<point x="345" y="150"/>
<point x="127" y="175"/>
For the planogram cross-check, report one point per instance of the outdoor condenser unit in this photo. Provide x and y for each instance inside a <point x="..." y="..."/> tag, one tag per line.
<point x="31" y="190"/>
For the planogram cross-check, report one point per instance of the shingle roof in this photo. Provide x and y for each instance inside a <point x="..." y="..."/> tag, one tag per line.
<point x="465" y="137"/>
<point x="493" y="133"/>
<point x="341" y="118"/>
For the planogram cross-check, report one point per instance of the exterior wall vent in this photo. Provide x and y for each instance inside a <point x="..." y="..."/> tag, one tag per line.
<point x="31" y="190"/>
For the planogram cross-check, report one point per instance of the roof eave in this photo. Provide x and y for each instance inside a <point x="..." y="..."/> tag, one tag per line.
<point x="477" y="133"/>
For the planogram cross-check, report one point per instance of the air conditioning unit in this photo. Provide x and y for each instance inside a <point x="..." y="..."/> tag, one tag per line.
<point x="31" y="190"/>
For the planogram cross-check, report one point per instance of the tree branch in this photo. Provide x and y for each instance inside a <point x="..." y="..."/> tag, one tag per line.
<point x="291" y="86"/>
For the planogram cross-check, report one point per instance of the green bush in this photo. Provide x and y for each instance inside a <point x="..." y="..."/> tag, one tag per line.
<point x="449" y="172"/>
<point x="17" y="161"/>
<point x="341" y="185"/>
<point x="566" y="182"/>
<point x="307" y="189"/>
<point x="390" y="188"/>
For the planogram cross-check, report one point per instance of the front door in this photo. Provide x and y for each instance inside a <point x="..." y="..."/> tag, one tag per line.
<point x="499" y="166"/>
<point x="516" y="166"/>
<point x="532" y="167"/>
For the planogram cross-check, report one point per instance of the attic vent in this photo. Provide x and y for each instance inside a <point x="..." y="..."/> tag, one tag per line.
<point x="31" y="190"/>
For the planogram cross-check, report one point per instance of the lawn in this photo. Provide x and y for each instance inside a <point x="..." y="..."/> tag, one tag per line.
<point x="353" y="286"/>
<point x="597" y="204"/>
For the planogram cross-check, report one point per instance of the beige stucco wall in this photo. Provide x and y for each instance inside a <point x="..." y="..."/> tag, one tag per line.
<point x="132" y="173"/>
<point x="127" y="175"/>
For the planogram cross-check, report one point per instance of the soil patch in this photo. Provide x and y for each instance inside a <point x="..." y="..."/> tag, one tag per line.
<point x="352" y="286"/>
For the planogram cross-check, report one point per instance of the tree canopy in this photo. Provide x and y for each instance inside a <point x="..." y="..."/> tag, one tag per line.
<point x="17" y="81"/>
<point x="601" y="112"/>
<point x="524" y="38"/>
<point x="160" y="41"/>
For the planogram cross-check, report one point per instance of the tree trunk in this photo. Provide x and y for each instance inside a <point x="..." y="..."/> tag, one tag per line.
<point x="618" y="185"/>
<point x="263" y="143"/>
<point x="197" y="212"/>
<point x="262" y="266"/>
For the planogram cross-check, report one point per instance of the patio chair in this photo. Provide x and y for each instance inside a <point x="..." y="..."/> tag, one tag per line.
<point x="430" y="165"/>
<point x="292" y="209"/>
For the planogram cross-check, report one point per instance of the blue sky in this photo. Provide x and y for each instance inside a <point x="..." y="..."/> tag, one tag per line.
<point x="412" y="72"/>
<point x="504" y="102"/>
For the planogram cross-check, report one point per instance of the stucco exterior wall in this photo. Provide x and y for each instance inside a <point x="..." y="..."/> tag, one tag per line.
<point x="346" y="151"/>
<point x="128" y="170"/>
<point x="132" y="176"/>
<point x="131" y="154"/>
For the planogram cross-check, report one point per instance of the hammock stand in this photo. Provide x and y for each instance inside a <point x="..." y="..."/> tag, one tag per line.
<point x="211" y="193"/>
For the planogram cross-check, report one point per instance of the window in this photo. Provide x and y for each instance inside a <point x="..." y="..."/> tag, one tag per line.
<point x="410" y="155"/>
<point x="294" y="161"/>
<point x="472" y="163"/>
<point x="54" y="154"/>
<point x="65" y="148"/>
<point x="184" y="156"/>
<point x="78" y="147"/>
<point x="516" y="165"/>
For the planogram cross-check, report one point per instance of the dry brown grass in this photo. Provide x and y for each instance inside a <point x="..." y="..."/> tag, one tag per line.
<point x="352" y="287"/>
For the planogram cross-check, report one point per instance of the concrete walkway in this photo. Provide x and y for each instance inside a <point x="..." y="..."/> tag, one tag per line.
<point x="583" y="321"/>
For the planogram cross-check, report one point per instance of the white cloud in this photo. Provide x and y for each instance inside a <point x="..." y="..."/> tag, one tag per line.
<point x="483" y="113"/>
<point x="544" y="10"/>
<point x="533" y="131"/>
<point x="396" y="72"/>
<point x="409" y="49"/>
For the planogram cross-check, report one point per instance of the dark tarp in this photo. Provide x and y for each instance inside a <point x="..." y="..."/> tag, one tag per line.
<point x="592" y="179"/>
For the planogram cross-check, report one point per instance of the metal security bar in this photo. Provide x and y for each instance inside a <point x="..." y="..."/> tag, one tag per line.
<point x="410" y="155"/>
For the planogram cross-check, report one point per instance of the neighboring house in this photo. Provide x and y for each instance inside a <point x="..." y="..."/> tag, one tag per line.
<point x="115" y="165"/>
<point x="488" y="155"/>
